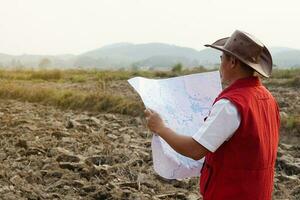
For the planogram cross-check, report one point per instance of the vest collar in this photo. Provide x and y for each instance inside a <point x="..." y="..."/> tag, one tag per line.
<point x="251" y="81"/>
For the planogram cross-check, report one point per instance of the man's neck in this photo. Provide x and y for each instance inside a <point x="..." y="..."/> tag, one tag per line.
<point x="239" y="76"/>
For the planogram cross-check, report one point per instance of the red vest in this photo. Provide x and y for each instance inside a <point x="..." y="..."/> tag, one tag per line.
<point x="243" y="167"/>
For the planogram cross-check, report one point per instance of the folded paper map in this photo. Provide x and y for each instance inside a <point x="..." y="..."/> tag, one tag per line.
<point x="183" y="102"/>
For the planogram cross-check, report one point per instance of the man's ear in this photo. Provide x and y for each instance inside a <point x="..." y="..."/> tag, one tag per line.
<point x="233" y="61"/>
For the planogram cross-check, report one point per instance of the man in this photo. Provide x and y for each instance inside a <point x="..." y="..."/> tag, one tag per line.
<point x="239" y="138"/>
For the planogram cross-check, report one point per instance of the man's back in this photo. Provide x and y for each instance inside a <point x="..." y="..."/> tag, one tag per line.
<point x="243" y="167"/>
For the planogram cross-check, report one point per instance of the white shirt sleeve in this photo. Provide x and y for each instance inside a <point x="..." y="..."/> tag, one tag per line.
<point x="220" y="125"/>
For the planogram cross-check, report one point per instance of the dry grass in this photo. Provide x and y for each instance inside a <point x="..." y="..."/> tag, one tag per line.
<point x="285" y="78"/>
<point x="285" y="74"/>
<point x="70" y="99"/>
<point x="291" y="122"/>
<point x="71" y="75"/>
<point x="77" y="75"/>
<point x="101" y="99"/>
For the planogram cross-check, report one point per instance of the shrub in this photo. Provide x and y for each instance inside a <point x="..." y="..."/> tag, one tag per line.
<point x="177" y="68"/>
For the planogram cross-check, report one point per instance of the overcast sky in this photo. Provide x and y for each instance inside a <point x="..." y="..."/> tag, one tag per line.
<point x="76" y="26"/>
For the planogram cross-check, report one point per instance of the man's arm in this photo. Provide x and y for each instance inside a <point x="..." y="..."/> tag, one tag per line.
<point x="184" y="145"/>
<point x="219" y="127"/>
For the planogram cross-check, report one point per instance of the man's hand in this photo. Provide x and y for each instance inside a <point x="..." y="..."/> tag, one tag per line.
<point x="182" y="144"/>
<point x="154" y="121"/>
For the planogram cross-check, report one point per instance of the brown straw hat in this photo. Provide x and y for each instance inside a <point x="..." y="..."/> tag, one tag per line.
<point x="248" y="50"/>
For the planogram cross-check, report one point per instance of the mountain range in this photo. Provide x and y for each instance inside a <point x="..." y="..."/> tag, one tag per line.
<point x="146" y="56"/>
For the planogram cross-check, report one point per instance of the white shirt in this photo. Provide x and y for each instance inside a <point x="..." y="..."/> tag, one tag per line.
<point x="223" y="120"/>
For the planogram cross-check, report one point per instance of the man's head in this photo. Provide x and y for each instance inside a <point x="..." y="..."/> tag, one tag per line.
<point x="231" y="68"/>
<point x="243" y="54"/>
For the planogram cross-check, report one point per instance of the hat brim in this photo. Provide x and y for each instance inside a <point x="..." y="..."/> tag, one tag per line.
<point x="261" y="66"/>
